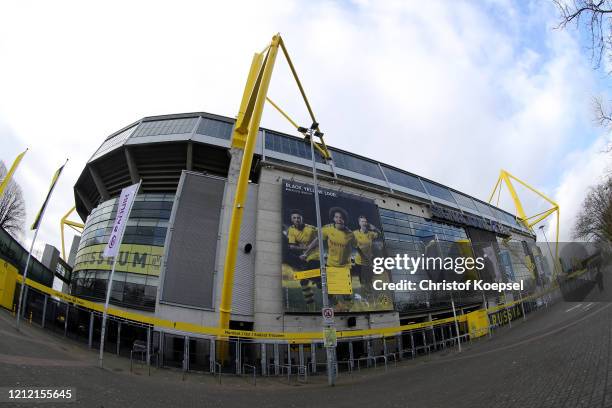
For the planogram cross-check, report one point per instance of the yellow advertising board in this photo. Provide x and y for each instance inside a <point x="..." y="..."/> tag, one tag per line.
<point x="143" y="259"/>
<point x="311" y="273"/>
<point x="8" y="280"/>
<point x="478" y="323"/>
<point x="339" y="280"/>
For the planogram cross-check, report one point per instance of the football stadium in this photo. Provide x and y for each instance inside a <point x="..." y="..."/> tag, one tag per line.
<point x="248" y="249"/>
<point x="170" y="266"/>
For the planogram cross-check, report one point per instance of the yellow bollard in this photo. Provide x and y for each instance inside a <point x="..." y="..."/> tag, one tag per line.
<point x="30" y="317"/>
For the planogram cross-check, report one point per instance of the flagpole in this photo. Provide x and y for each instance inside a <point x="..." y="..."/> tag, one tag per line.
<point x="25" y="276"/>
<point x="110" y="280"/>
<point x="25" y="271"/>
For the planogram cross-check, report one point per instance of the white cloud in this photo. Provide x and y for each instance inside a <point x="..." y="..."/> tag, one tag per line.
<point x="585" y="169"/>
<point x="451" y="92"/>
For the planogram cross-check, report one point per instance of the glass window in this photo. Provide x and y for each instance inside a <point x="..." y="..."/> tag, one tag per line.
<point x="118" y="286"/>
<point x="147" y="226"/>
<point x="404" y="238"/>
<point x="391" y="236"/>
<point x="438" y="191"/>
<point x="420" y="228"/>
<point x="499" y="214"/>
<point x="287" y="145"/>
<point x="113" y="141"/>
<point x="484" y="208"/>
<point x="134" y="288"/>
<point x="386" y="213"/>
<point x="215" y="128"/>
<point x="464" y="200"/>
<point x="510" y="219"/>
<point x="356" y="164"/>
<point x="403" y="179"/>
<point x="166" y="127"/>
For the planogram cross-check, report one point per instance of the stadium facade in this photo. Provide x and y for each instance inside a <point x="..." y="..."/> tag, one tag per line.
<point x="171" y="260"/>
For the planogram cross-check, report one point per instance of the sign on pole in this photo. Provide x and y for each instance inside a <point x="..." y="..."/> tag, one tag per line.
<point x="328" y="315"/>
<point x="329" y="336"/>
<point x="123" y="212"/>
<point x="35" y="227"/>
<point x="126" y="200"/>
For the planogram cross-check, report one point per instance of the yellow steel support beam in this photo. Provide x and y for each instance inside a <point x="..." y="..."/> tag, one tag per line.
<point x="248" y="122"/>
<point x="77" y="226"/>
<point x="9" y="174"/>
<point x="242" y="121"/>
<point x="538" y="214"/>
<point x="544" y="215"/>
<point x="517" y="202"/>
<point x="322" y="148"/>
<point x="499" y="179"/>
<point x="532" y="189"/>
<point x="319" y="146"/>
<point x="282" y="112"/>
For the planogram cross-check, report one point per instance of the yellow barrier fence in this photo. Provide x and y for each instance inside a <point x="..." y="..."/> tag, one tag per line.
<point x="292" y="337"/>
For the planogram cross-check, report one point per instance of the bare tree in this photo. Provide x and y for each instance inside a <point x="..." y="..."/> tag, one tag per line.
<point x="594" y="222"/>
<point x="595" y="18"/>
<point x="12" y="207"/>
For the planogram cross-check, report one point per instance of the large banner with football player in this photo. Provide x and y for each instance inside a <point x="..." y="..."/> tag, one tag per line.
<point x="352" y="237"/>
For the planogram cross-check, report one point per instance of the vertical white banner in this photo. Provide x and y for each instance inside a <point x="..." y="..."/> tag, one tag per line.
<point x="125" y="203"/>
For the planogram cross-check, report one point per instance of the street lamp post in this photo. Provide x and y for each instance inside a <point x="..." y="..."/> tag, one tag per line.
<point x="331" y="349"/>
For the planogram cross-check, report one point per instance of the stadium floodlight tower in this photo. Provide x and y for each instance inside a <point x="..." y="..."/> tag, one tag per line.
<point x="528" y="221"/>
<point x="244" y="138"/>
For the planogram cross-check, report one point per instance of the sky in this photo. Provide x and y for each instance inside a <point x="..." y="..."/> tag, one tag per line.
<point x="453" y="91"/>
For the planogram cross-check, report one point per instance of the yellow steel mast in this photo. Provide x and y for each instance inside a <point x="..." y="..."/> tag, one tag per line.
<point x="64" y="222"/>
<point x="527" y="221"/>
<point x="244" y="138"/>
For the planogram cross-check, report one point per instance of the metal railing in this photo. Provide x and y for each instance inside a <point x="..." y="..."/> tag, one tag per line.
<point x="142" y="344"/>
<point x="252" y="368"/>
<point x="302" y="373"/>
<point x="217" y="371"/>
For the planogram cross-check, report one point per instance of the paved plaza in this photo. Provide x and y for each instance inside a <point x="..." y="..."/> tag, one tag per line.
<point x="558" y="357"/>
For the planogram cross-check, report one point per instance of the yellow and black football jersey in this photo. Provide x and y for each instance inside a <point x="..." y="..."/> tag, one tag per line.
<point x="364" y="243"/>
<point x="340" y="243"/>
<point x="303" y="238"/>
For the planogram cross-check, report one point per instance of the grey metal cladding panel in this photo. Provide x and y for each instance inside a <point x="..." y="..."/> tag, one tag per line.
<point x="215" y="141"/>
<point x="189" y="273"/>
<point x="244" y="277"/>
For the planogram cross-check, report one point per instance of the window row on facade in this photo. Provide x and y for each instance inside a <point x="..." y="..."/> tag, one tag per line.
<point x="129" y="289"/>
<point x="295" y="147"/>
